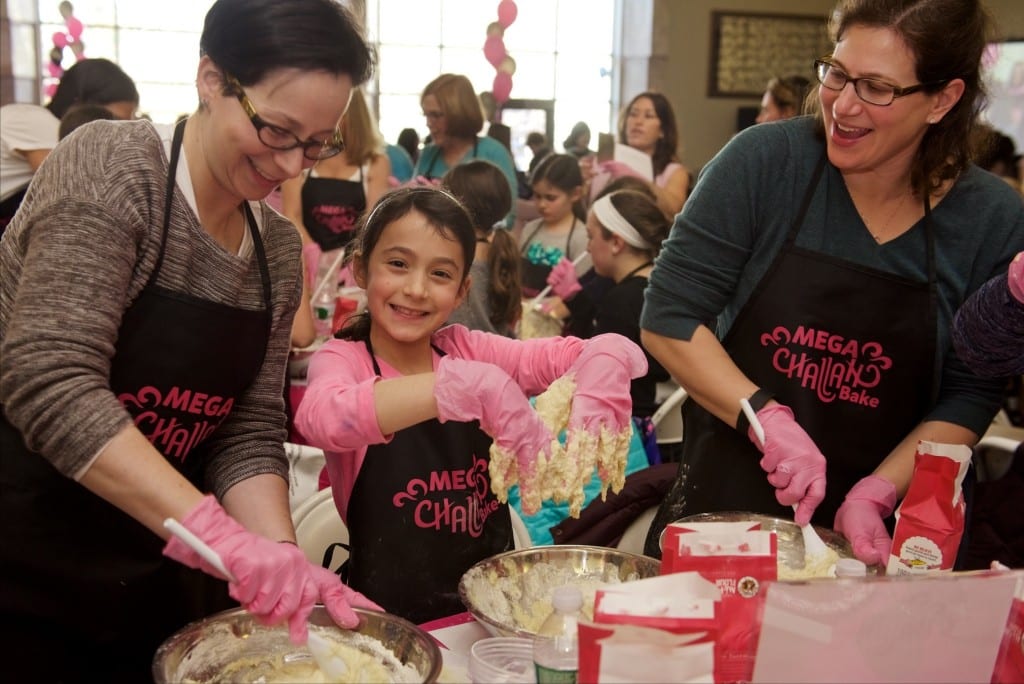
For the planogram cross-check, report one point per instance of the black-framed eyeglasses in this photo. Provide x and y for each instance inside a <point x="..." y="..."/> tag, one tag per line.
<point x="870" y="90"/>
<point x="277" y="138"/>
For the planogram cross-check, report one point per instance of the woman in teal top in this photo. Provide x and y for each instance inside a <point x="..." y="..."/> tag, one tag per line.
<point x="830" y="254"/>
<point x="455" y="119"/>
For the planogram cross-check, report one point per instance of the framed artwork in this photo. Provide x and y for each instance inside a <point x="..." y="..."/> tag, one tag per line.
<point x="747" y="49"/>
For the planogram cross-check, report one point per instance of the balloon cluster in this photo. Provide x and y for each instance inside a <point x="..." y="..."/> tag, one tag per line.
<point x="494" y="51"/>
<point x="72" y="39"/>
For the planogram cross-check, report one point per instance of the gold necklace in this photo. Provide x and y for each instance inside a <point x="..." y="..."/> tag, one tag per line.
<point x="878" y="235"/>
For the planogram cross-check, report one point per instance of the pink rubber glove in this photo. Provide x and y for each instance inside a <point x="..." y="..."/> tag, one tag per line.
<point x="795" y="465"/>
<point x="600" y="419"/>
<point x="311" y="258"/>
<point x="563" y="280"/>
<point x="860" y="518"/>
<point x="619" y="169"/>
<point x="273" y="581"/>
<point x="1015" y="277"/>
<point x="473" y="390"/>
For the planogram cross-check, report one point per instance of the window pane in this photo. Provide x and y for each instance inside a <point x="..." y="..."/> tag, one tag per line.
<point x="170" y="16"/>
<point x="411" y="23"/>
<point x="144" y="55"/>
<point x="534" y="27"/>
<point x="398" y="112"/>
<point x="469" y="62"/>
<point x="535" y="76"/>
<point x="22" y="10"/>
<point x="23" y="51"/>
<point x="164" y="102"/>
<point x="585" y="26"/>
<point x="464" y="22"/>
<point x="89" y="12"/>
<point x="407" y="70"/>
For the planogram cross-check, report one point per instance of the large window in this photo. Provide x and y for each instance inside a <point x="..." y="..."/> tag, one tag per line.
<point x="563" y="51"/>
<point x="562" y="48"/>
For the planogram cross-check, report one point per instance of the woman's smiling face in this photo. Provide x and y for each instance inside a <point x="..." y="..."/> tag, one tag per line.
<point x="863" y="137"/>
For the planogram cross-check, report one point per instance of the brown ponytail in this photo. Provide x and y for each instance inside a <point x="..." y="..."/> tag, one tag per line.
<point x="506" y="290"/>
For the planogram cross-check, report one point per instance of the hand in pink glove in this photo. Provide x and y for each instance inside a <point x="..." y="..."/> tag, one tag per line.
<point x="795" y="466"/>
<point x="563" y="280"/>
<point x="860" y="518"/>
<point x="273" y="581"/>
<point x="603" y="372"/>
<point x="619" y="169"/>
<point x="473" y="390"/>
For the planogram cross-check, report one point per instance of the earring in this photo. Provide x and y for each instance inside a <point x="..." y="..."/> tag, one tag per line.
<point x="205" y="103"/>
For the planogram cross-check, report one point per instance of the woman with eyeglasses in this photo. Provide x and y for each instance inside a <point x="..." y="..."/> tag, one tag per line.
<point x="815" y="271"/>
<point x="145" y="313"/>
<point x="455" y="118"/>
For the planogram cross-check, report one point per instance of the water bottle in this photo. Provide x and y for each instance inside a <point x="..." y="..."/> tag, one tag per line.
<point x="555" y="648"/>
<point x="323" y="311"/>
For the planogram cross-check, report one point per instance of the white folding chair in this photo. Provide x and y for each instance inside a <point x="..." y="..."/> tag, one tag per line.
<point x="668" y="419"/>
<point x="317" y="526"/>
<point x="993" y="456"/>
<point x="635" y="536"/>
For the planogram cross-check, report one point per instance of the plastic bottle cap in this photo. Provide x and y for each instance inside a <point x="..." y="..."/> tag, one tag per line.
<point x="567" y="599"/>
<point x="850" y="567"/>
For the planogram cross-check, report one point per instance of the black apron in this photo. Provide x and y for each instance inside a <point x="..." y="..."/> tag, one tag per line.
<point x="535" y="275"/>
<point x="331" y="209"/>
<point x="849" y="348"/>
<point x="421" y="514"/>
<point x="79" y="579"/>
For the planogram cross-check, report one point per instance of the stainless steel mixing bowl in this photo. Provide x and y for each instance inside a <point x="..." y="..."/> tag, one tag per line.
<point x="201" y="651"/>
<point x="790" y="539"/>
<point x="500" y="579"/>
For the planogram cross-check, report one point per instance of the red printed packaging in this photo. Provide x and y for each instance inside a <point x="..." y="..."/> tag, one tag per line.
<point x="1010" y="660"/>
<point x="738" y="562"/>
<point x="930" y="520"/>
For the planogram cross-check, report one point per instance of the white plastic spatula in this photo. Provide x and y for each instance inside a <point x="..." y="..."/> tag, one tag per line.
<point x="814" y="548"/>
<point x="326" y="659"/>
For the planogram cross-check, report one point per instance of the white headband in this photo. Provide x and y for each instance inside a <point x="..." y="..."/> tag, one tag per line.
<point x="611" y="219"/>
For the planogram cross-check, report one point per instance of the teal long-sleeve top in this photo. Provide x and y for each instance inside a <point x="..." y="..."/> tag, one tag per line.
<point x="747" y="197"/>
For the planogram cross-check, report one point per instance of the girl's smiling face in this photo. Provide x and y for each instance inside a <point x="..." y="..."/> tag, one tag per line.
<point x="414" y="278"/>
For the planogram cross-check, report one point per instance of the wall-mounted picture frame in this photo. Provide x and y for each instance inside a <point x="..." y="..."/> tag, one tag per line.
<point x="1004" y="75"/>
<point x="749" y="48"/>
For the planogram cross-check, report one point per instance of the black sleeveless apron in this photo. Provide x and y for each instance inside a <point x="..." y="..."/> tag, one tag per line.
<point x="331" y="209"/>
<point x="85" y="593"/>
<point x="422" y="513"/>
<point x="850" y="349"/>
<point x="534" y="275"/>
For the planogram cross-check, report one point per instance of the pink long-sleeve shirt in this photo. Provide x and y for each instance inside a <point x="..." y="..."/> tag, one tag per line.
<point x="338" y="414"/>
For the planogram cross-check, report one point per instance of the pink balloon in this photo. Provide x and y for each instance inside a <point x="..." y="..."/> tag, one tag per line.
<point x="74" y="27"/>
<point x="502" y="87"/>
<point x="507" y="12"/>
<point x="494" y="50"/>
<point x="60" y="39"/>
<point x="50" y="89"/>
<point x="55" y="70"/>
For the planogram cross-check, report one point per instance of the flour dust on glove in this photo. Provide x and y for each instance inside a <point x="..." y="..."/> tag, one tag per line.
<point x="601" y="417"/>
<point x="861" y="518"/>
<point x="474" y="390"/>
<point x="273" y="581"/>
<point x="795" y="465"/>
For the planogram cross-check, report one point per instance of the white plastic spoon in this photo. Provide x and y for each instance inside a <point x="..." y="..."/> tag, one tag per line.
<point x="814" y="547"/>
<point x="326" y="659"/>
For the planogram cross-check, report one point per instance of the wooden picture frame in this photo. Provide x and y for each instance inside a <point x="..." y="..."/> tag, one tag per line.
<point x="749" y="48"/>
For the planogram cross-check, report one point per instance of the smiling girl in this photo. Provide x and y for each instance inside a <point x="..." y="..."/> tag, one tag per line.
<point x="406" y="412"/>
